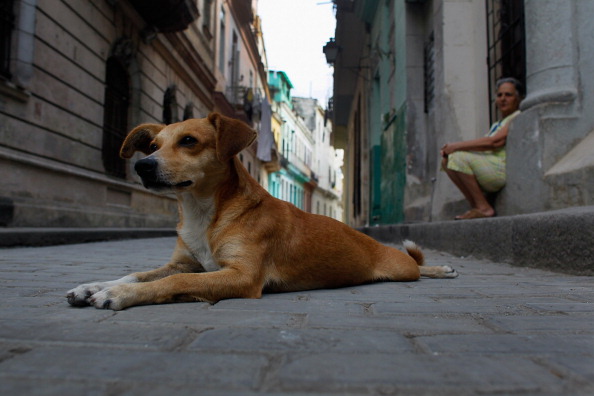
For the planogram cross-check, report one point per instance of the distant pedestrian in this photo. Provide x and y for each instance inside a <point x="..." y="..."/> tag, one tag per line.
<point x="478" y="166"/>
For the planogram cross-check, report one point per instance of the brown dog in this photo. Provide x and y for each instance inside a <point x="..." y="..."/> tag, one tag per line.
<point x="234" y="239"/>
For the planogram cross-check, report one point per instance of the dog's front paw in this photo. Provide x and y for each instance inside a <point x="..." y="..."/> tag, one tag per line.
<point x="79" y="296"/>
<point x="114" y="297"/>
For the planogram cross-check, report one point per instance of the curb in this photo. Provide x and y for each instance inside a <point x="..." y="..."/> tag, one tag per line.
<point x="560" y="241"/>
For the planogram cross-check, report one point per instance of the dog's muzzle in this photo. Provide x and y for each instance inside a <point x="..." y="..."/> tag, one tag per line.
<point x="148" y="170"/>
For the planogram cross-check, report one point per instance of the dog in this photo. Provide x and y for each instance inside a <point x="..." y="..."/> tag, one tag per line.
<point x="234" y="239"/>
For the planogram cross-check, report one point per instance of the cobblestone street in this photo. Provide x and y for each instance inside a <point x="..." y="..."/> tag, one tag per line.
<point x="496" y="329"/>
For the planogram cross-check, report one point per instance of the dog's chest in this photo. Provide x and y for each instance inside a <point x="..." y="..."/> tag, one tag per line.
<point x="197" y="217"/>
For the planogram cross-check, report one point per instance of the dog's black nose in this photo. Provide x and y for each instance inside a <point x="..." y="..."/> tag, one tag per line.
<point x="146" y="167"/>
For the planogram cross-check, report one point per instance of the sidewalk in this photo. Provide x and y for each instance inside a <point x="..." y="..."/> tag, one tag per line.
<point x="496" y="329"/>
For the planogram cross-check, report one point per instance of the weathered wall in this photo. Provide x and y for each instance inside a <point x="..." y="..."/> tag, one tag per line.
<point x="550" y="165"/>
<point x="550" y="162"/>
<point x="459" y="109"/>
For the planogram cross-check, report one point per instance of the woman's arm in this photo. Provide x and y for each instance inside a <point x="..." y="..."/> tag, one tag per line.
<point x="481" y="144"/>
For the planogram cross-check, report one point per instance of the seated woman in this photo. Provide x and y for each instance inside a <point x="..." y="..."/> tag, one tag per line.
<point x="478" y="166"/>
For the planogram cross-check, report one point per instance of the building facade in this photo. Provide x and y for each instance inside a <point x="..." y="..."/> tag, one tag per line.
<point x="326" y="175"/>
<point x="294" y="146"/>
<point x="310" y="175"/>
<point x="242" y="81"/>
<point x="424" y="75"/>
<point x="76" y="76"/>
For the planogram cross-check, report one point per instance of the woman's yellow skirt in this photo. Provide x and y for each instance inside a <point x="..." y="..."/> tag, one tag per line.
<point x="487" y="166"/>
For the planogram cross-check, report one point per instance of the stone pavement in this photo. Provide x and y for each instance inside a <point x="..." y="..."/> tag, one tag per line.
<point x="496" y="329"/>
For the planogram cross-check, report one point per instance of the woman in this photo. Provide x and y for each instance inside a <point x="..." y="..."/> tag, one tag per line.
<point x="478" y="166"/>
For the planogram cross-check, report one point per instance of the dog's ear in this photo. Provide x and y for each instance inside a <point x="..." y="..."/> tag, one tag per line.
<point x="139" y="139"/>
<point x="232" y="135"/>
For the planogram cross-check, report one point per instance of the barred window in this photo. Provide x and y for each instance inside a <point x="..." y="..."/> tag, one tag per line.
<point x="189" y="111"/>
<point x="222" y="43"/>
<point x="115" y="118"/>
<point x="506" y="44"/>
<point x="429" y="72"/>
<point x="170" y="114"/>
<point x="7" y="20"/>
<point x="358" y="160"/>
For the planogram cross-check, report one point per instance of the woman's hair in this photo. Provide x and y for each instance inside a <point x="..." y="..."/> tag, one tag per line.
<point x="517" y="84"/>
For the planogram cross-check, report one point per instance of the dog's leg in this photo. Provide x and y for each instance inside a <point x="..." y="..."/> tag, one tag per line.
<point x="182" y="261"/>
<point x="437" y="271"/>
<point x="79" y="296"/>
<point x="208" y="287"/>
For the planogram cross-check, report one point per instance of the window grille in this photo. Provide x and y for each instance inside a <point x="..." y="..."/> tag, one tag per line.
<point x="115" y="118"/>
<point x="7" y="19"/>
<point x="222" y="43"/>
<point x="170" y="114"/>
<point x="188" y="111"/>
<point x="429" y="72"/>
<point x="357" y="177"/>
<point x="506" y="44"/>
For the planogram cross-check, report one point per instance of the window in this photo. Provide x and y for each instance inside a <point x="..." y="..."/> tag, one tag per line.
<point x="222" y="42"/>
<point x="189" y="111"/>
<point x="506" y="44"/>
<point x="170" y="114"/>
<point x="115" y="116"/>
<point x="429" y="72"/>
<point x="7" y="20"/>
<point x="357" y="176"/>
<point x="207" y="18"/>
<point x="236" y="93"/>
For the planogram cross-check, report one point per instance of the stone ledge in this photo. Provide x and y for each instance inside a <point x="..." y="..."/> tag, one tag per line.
<point x="560" y="240"/>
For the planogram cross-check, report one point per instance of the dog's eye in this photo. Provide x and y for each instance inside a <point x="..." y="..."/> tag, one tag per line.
<point x="153" y="147"/>
<point x="188" y="141"/>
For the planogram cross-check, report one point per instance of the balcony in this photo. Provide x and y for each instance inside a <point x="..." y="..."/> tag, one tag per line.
<point x="167" y="16"/>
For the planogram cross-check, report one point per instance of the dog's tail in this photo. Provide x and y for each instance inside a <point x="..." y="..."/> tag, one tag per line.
<point x="414" y="251"/>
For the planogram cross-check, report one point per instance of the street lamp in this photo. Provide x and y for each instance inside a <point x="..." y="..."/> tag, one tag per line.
<point x="331" y="50"/>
